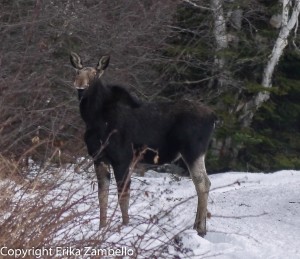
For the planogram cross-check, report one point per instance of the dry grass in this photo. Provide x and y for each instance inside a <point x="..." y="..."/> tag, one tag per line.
<point x="49" y="207"/>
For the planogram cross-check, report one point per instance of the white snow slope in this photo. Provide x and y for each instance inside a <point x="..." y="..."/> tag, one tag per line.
<point x="257" y="217"/>
<point x="254" y="215"/>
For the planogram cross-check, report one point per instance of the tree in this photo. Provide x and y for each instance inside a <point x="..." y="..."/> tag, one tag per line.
<point x="37" y="101"/>
<point x="217" y="55"/>
<point x="289" y="21"/>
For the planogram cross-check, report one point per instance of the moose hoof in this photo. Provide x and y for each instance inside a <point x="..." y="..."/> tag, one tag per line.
<point x="201" y="233"/>
<point x="125" y="221"/>
<point x="200" y="228"/>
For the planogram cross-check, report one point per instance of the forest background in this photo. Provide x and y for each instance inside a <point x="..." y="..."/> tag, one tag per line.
<point x="242" y="58"/>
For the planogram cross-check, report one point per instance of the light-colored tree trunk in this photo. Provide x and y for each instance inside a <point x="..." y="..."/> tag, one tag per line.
<point x="223" y="146"/>
<point x="221" y="41"/>
<point x="290" y="14"/>
<point x="220" y="34"/>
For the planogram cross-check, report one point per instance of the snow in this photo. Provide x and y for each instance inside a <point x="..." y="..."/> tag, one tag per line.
<point x="260" y="217"/>
<point x="253" y="215"/>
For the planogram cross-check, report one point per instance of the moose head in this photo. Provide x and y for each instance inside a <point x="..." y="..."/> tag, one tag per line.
<point x="85" y="75"/>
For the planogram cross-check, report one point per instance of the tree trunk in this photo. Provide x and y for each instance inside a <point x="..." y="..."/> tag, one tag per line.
<point x="221" y="39"/>
<point x="221" y="146"/>
<point x="287" y="25"/>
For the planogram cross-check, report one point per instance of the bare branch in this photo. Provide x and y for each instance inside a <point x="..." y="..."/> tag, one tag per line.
<point x="197" y="6"/>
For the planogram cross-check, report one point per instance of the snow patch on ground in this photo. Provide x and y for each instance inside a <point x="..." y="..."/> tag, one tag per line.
<point x="254" y="215"/>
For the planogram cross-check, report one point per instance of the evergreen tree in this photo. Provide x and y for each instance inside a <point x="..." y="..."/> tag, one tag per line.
<point x="229" y="76"/>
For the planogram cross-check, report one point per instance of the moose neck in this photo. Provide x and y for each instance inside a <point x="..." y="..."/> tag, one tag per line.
<point x="92" y="102"/>
<point x="96" y="90"/>
<point x="80" y="93"/>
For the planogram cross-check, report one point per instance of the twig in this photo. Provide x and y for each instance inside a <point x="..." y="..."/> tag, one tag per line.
<point x="143" y="181"/>
<point x="103" y="146"/>
<point x="240" y="217"/>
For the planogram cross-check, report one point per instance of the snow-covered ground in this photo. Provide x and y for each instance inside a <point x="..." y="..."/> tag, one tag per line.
<point x="254" y="215"/>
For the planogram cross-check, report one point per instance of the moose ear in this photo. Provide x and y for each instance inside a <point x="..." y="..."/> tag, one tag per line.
<point x="103" y="63"/>
<point x="76" y="60"/>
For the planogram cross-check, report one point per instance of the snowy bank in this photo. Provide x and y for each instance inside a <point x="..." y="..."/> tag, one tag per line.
<point x="253" y="215"/>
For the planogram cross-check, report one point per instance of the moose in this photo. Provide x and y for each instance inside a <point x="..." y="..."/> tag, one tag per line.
<point x="118" y="124"/>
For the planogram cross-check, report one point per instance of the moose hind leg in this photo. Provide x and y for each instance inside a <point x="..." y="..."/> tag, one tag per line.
<point x="202" y="185"/>
<point x="103" y="178"/>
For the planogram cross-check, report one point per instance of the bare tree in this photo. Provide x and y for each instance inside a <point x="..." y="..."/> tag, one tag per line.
<point x="37" y="101"/>
<point x="219" y="31"/>
<point x="289" y="21"/>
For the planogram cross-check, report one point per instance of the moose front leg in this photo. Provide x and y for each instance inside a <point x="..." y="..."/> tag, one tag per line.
<point x="103" y="178"/>
<point x="123" y="183"/>
<point x="202" y="184"/>
<point x="124" y="197"/>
